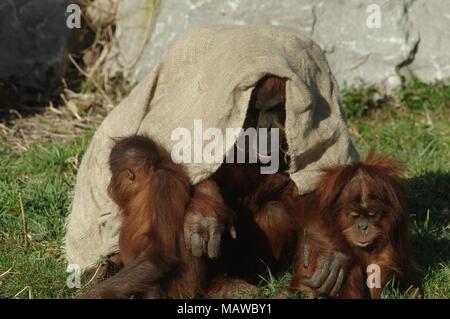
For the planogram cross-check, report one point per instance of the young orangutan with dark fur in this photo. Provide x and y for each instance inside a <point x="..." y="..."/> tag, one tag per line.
<point x="361" y="205"/>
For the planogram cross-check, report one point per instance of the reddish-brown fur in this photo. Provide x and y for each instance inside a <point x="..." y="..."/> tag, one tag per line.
<point x="158" y="205"/>
<point x="156" y="201"/>
<point x="365" y="195"/>
<point x="265" y="232"/>
<point x="153" y="194"/>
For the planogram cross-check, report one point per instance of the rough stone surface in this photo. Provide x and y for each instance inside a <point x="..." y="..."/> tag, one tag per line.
<point x="354" y="50"/>
<point x="135" y="21"/>
<point x="33" y="42"/>
<point x="432" y="60"/>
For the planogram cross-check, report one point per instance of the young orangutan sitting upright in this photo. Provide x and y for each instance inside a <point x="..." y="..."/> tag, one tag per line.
<point x="360" y="207"/>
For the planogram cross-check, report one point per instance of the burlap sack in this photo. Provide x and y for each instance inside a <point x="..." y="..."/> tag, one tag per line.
<point x="209" y="74"/>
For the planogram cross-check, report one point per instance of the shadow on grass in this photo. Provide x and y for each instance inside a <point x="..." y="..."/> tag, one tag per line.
<point x="427" y="199"/>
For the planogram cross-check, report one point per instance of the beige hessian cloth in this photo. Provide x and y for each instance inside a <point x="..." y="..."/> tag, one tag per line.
<point x="209" y="74"/>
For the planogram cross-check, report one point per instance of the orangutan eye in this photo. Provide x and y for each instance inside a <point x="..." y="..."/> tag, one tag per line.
<point x="354" y="214"/>
<point x="372" y="214"/>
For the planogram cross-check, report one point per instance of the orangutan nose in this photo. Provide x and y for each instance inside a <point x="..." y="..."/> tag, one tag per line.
<point x="363" y="226"/>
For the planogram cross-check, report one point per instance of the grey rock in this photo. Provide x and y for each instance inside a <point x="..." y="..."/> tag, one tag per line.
<point x="432" y="19"/>
<point x="405" y="38"/>
<point x="33" y="42"/>
<point x="359" y="53"/>
<point x="135" y="21"/>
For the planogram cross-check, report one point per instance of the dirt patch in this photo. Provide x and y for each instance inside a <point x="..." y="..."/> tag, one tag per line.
<point x="52" y="124"/>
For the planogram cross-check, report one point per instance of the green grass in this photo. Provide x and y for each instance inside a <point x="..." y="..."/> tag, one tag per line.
<point x="412" y="126"/>
<point x="43" y="176"/>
